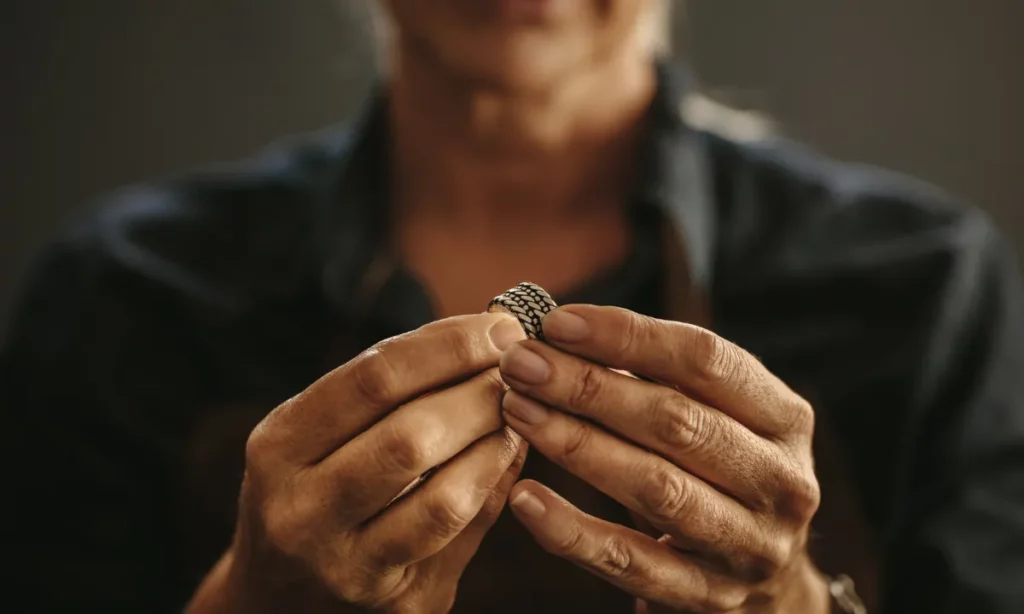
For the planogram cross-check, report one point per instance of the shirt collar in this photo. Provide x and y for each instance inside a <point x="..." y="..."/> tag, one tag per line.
<point x="675" y="173"/>
<point x="352" y="240"/>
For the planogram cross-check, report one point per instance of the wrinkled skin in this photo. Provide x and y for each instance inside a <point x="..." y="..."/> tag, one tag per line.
<point x="714" y="462"/>
<point x="317" y="528"/>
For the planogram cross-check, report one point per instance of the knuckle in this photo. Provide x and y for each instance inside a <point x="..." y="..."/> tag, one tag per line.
<point x="776" y="556"/>
<point x="681" y="424"/>
<point x="392" y="554"/>
<point x="375" y="377"/>
<point x="571" y="544"/>
<point x="634" y="331"/>
<point x="283" y="530"/>
<point x="802" y="416"/>
<point x="757" y="567"/>
<point x="577" y="441"/>
<point x="716" y="358"/>
<point x="363" y="587"/>
<point x="666" y="496"/>
<point x="347" y="586"/>
<point x="802" y="496"/>
<point x="614" y="558"/>
<point x="588" y="386"/>
<point x="263" y="446"/>
<point x="463" y="345"/>
<point x="724" y="597"/>
<point x="761" y="498"/>
<point x="258" y="449"/>
<point x="407" y="450"/>
<point x="448" y="513"/>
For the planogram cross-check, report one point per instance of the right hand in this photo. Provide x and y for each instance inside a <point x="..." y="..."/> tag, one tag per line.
<point x="317" y="527"/>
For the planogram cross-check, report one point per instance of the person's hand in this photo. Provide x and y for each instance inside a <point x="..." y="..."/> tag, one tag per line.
<point x="716" y="459"/>
<point x="317" y="524"/>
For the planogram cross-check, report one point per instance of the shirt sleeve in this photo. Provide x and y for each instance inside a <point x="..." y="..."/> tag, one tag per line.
<point x="899" y="313"/>
<point x="88" y="458"/>
<point x="955" y="539"/>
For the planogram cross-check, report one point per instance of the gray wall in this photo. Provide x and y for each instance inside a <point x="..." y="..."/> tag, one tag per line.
<point x="104" y="92"/>
<point x="930" y="87"/>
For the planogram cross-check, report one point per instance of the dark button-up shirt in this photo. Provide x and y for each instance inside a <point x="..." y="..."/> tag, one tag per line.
<point x="177" y="306"/>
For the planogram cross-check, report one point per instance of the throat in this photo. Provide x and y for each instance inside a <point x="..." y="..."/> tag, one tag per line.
<point x="463" y="269"/>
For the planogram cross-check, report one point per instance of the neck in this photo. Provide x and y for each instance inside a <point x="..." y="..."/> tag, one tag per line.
<point x="492" y="160"/>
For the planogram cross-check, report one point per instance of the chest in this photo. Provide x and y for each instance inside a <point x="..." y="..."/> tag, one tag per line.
<point x="462" y="270"/>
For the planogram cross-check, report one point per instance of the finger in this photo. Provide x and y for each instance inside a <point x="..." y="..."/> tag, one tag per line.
<point x="636" y="563"/>
<point x="371" y="470"/>
<point x="672" y="500"/>
<point x="349" y="399"/>
<point x="421" y="524"/>
<point x="698" y="438"/>
<point x="696" y="360"/>
<point x="454" y="558"/>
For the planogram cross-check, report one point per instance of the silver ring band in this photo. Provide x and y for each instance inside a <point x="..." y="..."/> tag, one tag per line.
<point x="529" y="303"/>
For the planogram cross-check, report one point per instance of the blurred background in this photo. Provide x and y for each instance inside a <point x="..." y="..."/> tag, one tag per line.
<point x="100" y="93"/>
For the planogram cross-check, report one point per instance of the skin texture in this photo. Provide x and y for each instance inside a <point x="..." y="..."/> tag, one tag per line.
<point x="317" y="525"/>
<point x="715" y="462"/>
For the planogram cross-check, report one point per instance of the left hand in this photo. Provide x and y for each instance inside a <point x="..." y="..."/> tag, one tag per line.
<point x="718" y="460"/>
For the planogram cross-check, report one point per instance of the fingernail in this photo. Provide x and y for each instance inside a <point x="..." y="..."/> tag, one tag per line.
<point x="506" y="332"/>
<point x="565" y="326"/>
<point x="524" y="365"/>
<point x="523" y="409"/>
<point x="529" y="504"/>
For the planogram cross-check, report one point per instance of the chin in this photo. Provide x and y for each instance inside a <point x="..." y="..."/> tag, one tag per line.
<point x="522" y="77"/>
<point x="521" y="65"/>
<point x="520" y="44"/>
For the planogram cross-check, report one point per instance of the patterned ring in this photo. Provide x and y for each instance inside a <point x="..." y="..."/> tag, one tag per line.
<point x="528" y="302"/>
